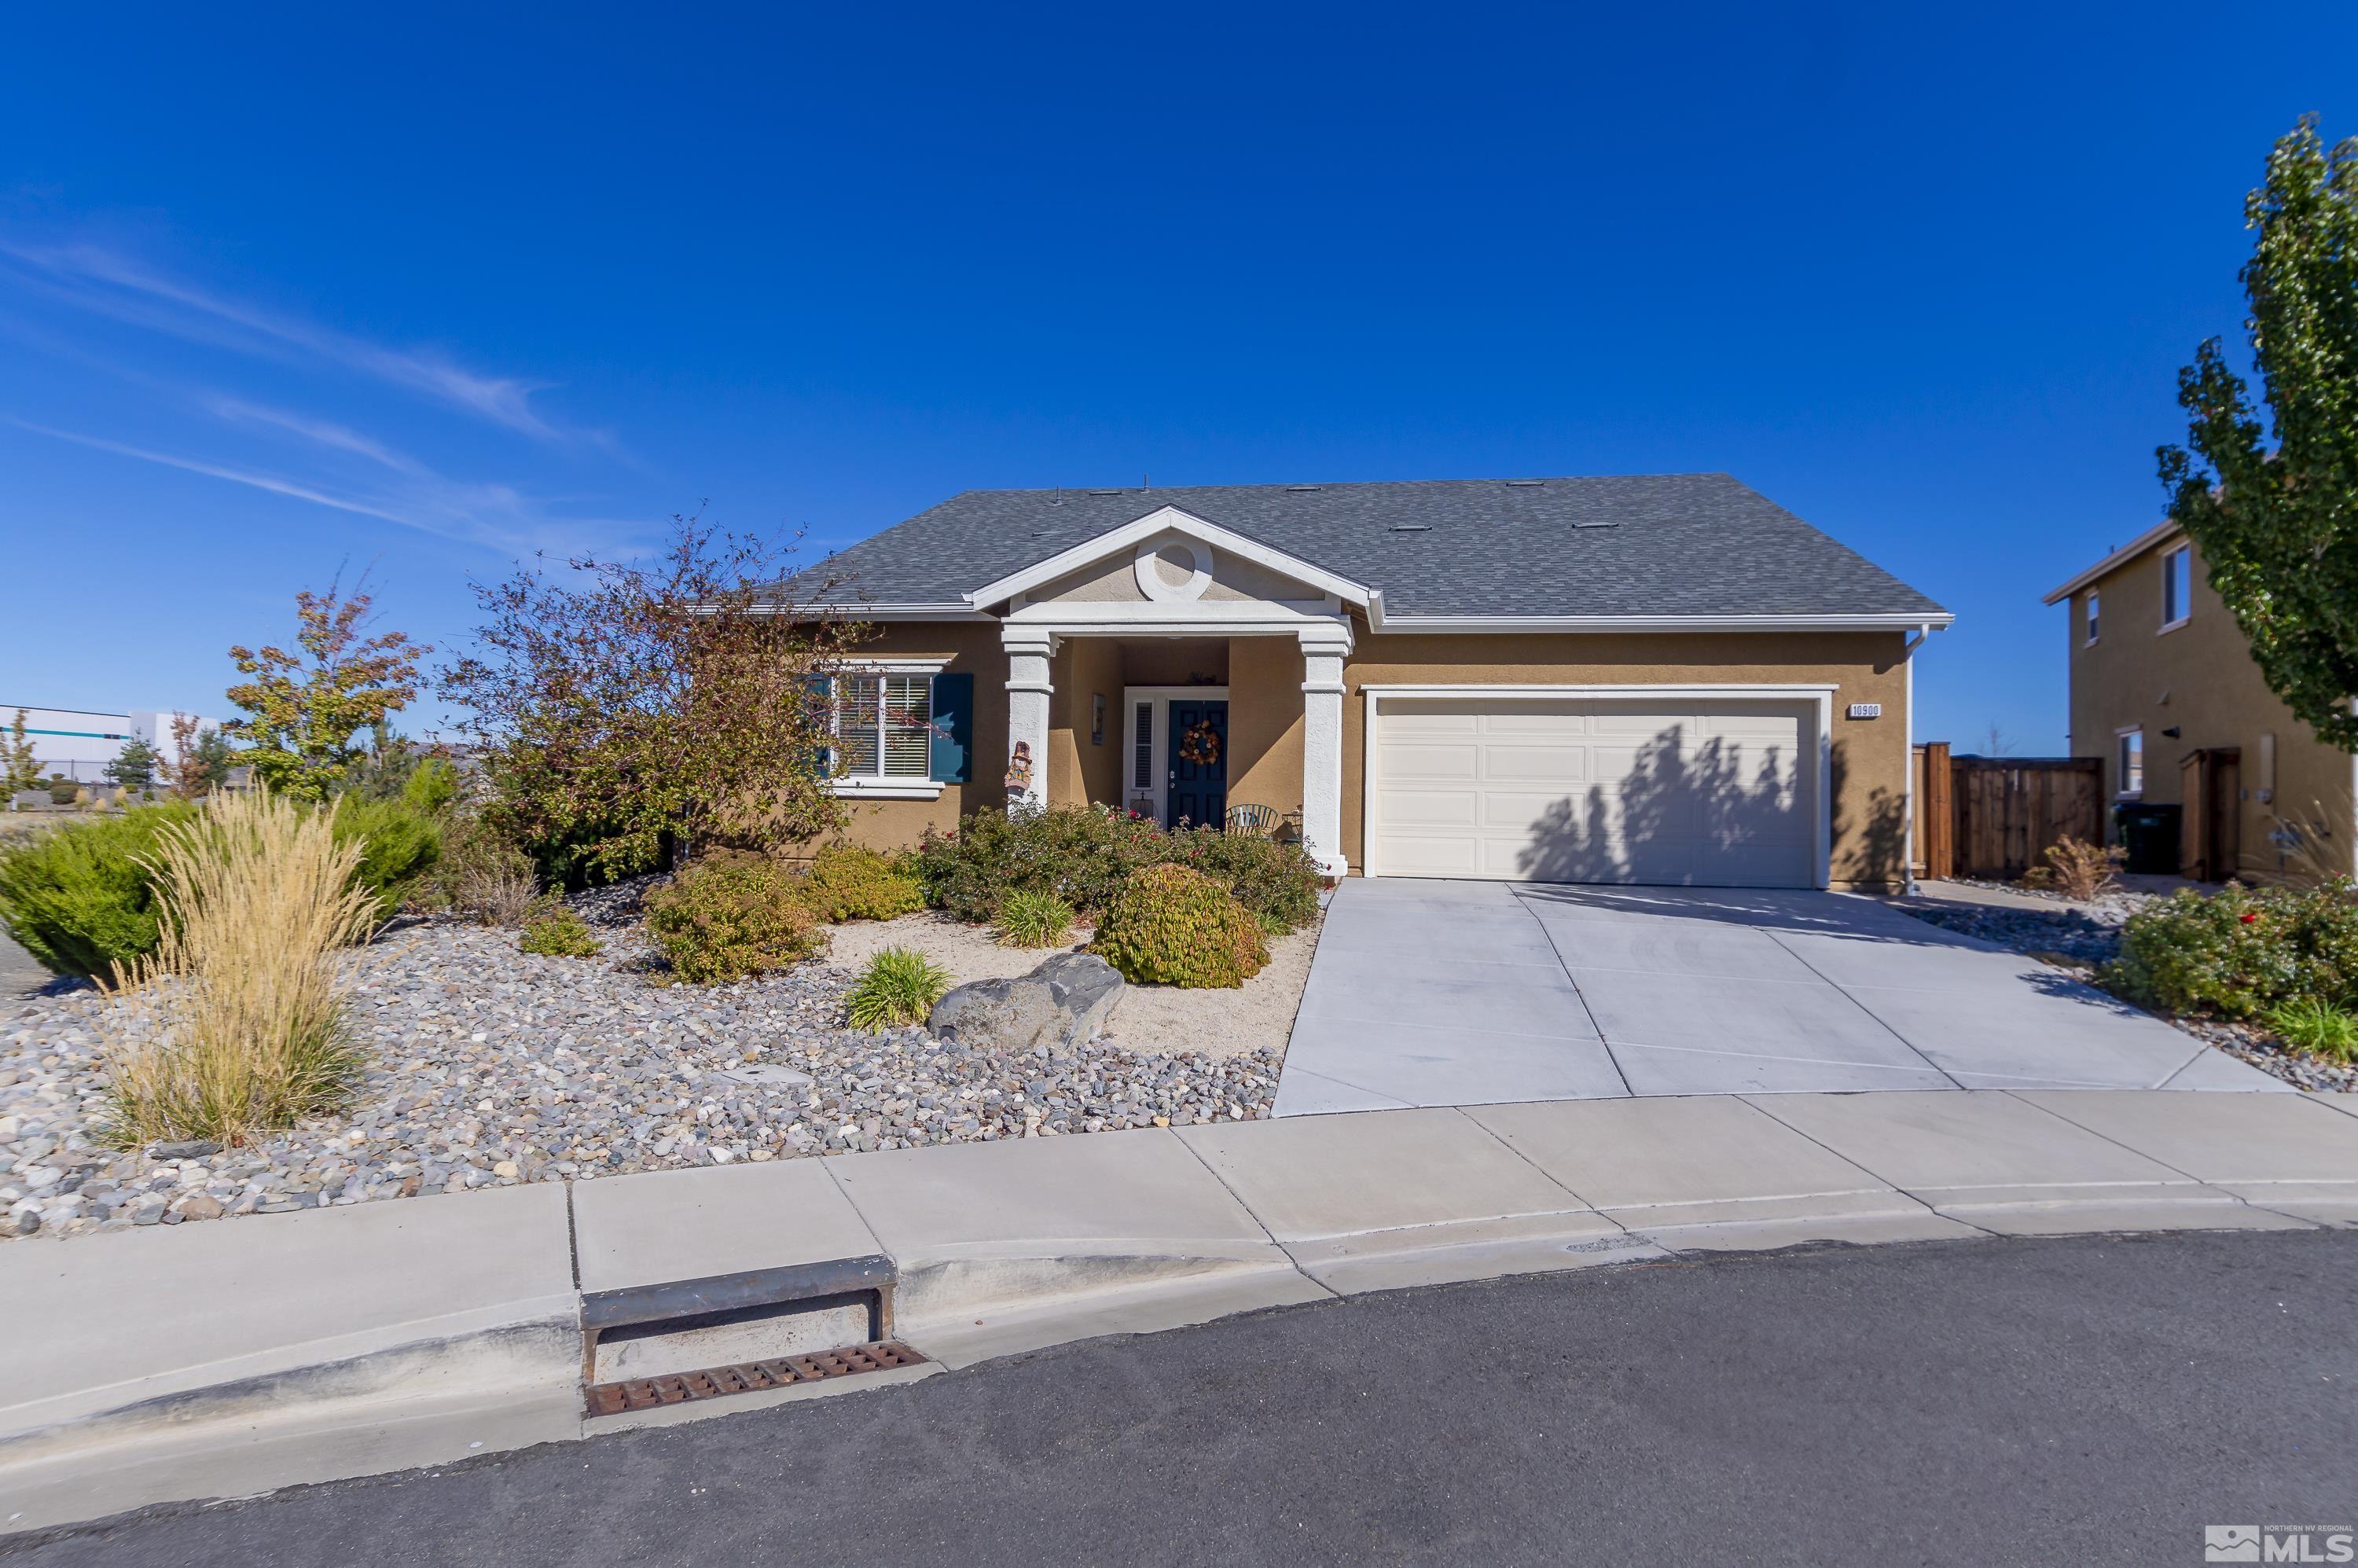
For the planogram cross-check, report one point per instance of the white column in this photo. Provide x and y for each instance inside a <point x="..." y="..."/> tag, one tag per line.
<point x="1027" y="711"/>
<point x="1322" y="745"/>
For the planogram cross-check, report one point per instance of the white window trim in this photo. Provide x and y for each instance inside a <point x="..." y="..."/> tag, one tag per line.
<point x="2186" y="611"/>
<point x="2092" y="614"/>
<point x="2120" y="735"/>
<point x="1159" y="743"/>
<point x="885" y="787"/>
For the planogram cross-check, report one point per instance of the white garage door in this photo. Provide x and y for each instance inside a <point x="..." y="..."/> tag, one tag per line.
<point x="1707" y="794"/>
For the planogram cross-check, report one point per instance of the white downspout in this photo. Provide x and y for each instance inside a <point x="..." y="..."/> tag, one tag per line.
<point x="1907" y="803"/>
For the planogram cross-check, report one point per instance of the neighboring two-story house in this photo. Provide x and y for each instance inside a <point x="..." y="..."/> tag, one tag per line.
<point x="2165" y="690"/>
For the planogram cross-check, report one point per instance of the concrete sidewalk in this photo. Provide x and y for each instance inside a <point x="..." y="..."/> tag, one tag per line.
<point x="241" y="1356"/>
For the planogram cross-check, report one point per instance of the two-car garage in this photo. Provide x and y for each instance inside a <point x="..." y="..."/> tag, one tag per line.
<point x="1721" y="788"/>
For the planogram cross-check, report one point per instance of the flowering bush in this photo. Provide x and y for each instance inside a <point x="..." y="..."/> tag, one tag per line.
<point x="1172" y="926"/>
<point x="2240" y="952"/>
<point x="1083" y="855"/>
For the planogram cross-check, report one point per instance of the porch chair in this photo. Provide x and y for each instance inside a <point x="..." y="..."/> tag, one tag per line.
<point x="1252" y="821"/>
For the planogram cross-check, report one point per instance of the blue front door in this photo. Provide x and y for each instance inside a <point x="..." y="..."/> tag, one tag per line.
<point x="1198" y="792"/>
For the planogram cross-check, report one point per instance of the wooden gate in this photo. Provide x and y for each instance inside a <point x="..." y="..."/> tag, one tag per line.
<point x="2210" y="783"/>
<point x="1994" y="816"/>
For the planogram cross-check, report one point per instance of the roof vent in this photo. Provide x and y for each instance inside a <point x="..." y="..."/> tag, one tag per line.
<point x="1412" y="528"/>
<point x="1297" y="489"/>
<point x="1523" y="484"/>
<point x="1598" y="523"/>
<point x="1105" y="493"/>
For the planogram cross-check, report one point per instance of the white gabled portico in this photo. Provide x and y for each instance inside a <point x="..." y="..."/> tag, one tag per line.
<point x="1172" y="575"/>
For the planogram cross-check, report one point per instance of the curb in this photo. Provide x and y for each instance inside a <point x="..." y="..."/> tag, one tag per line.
<point x="329" y="1343"/>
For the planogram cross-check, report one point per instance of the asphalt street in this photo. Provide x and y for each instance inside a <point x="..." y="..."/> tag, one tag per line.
<point x="2090" y="1400"/>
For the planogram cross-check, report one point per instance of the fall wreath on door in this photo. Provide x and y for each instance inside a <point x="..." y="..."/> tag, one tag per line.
<point x="1200" y="744"/>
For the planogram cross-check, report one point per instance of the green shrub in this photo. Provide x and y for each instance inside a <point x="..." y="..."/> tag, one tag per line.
<point x="2240" y="952"/>
<point x="402" y="842"/>
<point x="898" y="986"/>
<point x="846" y="882"/>
<point x="82" y="899"/>
<point x="1278" y="882"/>
<point x="730" y="916"/>
<point x="2318" y="1027"/>
<point x="1030" y="919"/>
<point x="1083" y="854"/>
<point x="559" y="934"/>
<point x="1172" y="926"/>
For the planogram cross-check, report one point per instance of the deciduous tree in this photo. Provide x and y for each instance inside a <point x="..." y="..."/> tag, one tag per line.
<point x="307" y="706"/>
<point x="2278" y="523"/>
<point x="17" y="759"/>
<point x="630" y="713"/>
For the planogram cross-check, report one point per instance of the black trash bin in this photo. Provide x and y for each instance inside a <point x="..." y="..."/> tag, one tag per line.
<point x="2149" y="834"/>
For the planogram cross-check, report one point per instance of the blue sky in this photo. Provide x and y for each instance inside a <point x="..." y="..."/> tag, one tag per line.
<point x="415" y="288"/>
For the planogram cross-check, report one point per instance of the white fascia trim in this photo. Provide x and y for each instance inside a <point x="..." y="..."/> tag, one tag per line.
<point x="1165" y="519"/>
<point x="929" y="665"/>
<point x="885" y="789"/>
<point x="913" y="611"/>
<point x="1067" y="618"/>
<point x="1908" y="622"/>
<point x="2158" y="533"/>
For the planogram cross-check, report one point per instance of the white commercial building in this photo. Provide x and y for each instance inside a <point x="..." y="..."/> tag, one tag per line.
<point x="79" y="744"/>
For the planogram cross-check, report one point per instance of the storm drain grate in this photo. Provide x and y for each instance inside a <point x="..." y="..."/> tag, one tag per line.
<point x="749" y="1377"/>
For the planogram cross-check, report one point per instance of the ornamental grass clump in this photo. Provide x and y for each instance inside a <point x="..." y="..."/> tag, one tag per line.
<point x="2318" y="1027"/>
<point x="235" y="1022"/>
<point x="1030" y="919"/>
<point x="898" y="988"/>
<point x="845" y="881"/>
<point x="730" y="916"/>
<point x="1171" y="925"/>
<point x="2077" y="869"/>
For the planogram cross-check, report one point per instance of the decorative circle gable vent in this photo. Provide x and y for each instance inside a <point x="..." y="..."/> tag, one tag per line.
<point x="1172" y="570"/>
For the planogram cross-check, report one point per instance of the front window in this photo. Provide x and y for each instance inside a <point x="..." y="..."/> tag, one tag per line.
<point x="2132" y="761"/>
<point x="883" y="725"/>
<point x="2092" y="614"/>
<point x="2177" y="586"/>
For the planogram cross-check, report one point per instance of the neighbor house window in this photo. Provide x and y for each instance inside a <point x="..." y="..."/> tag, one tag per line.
<point x="2132" y="761"/>
<point x="2092" y="615"/>
<point x="2177" y="586"/>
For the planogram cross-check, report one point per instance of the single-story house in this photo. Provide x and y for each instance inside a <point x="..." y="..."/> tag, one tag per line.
<point x="1657" y="679"/>
<point x="2164" y="689"/>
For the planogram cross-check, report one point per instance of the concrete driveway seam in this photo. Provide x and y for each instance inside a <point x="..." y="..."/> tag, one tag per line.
<point x="1593" y="1022"/>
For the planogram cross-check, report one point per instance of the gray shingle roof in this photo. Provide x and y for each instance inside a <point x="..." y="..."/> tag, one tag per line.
<point x="1696" y="543"/>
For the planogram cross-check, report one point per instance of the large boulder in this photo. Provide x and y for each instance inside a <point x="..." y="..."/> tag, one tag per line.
<point x="1062" y="1002"/>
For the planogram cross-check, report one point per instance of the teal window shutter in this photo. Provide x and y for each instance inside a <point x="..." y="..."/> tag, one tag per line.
<point x="953" y="758"/>
<point x="820" y="704"/>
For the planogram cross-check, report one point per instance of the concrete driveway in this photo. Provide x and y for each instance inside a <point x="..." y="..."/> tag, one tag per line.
<point x="1427" y="992"/>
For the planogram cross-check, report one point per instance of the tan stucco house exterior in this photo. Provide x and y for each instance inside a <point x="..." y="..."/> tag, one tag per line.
<point x="2165" y="691"/>
<point x="1663" y="679"/>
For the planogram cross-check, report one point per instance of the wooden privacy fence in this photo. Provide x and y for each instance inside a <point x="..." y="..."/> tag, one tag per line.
<point x="1994" y="816"/>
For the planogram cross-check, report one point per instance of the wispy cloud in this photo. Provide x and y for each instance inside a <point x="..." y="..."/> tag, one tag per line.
<point x="325" y="433"/>
<point x="498" y="516"/>
<point x="94" y="278"/>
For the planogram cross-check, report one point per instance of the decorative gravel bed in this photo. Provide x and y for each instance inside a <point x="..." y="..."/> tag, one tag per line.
<point x="490" y="1066"/>
<point x="2081" y="937"/>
